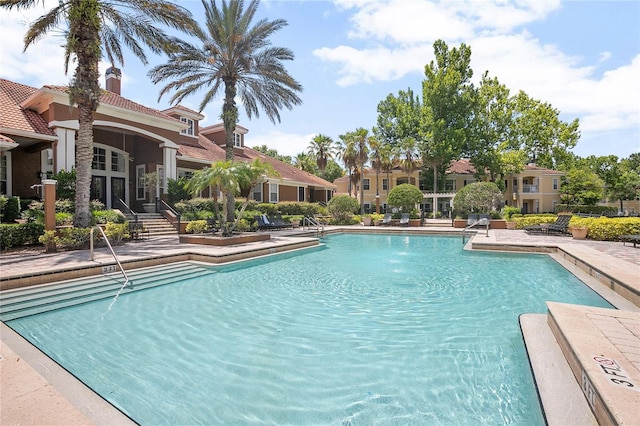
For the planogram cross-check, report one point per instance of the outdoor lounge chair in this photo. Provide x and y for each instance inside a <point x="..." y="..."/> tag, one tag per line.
<point x="386" y="220"/>
<point x="484" y="219"/>
<point x="472" y="219"/>
<point x="635" y="239"/>
<point x="263" y="223"/>
<point x="404" y="219"/>
<point x="560" y="226"/>
<point x="279" y="222"/>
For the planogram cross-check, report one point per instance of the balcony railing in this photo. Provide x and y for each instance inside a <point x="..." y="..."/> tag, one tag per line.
<point x="531" y="189"/>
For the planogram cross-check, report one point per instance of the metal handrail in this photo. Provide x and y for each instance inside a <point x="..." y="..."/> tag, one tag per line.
<point x="124" y="274"/>
<point x="166" y="206"/>
<point x="482" y="221"/>
<point x="127" y="209"/>
<point x="310" y="221"/>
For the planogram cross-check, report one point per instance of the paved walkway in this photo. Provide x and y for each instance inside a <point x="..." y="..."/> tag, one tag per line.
<point x="34" y="392"/>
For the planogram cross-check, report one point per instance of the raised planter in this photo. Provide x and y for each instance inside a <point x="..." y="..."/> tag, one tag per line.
<point x="366" y="220"/>
<point x="510" y="225"/>
<point x="498" y="224"/>
<point x="459" y="223"/>
<point x="414" y="222"/>
<point x="214" y="240"/>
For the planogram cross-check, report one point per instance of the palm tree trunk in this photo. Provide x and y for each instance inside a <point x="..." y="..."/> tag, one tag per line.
<point x="230" y="119"/>
<point x="435" y="190"/>
<point x="84" y="158"/>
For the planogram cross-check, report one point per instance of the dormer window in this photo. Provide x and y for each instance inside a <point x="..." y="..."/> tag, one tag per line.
<point x="237" y="140"/>
<point x="188" y="130"/>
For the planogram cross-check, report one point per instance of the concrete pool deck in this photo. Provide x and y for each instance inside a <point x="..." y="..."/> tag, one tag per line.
<point x="34" y="390"/>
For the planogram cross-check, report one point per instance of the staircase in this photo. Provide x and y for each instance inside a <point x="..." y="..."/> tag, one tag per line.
<point x="26" y="301"/>
<point x="156" y="224"/>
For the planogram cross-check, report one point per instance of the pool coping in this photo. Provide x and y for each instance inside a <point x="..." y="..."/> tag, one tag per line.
<point x="568" y="256"/>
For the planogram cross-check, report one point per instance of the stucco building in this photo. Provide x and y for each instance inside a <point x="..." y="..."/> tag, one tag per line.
<point x="38" y="130"/>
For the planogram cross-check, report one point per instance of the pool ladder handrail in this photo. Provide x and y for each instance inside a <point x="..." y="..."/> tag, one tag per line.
<point x="113" y="253"/>
<point x="482" y="221"/>
<point x="309" y="221"/>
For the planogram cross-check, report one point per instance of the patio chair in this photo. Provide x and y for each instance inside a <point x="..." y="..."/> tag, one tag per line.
<point x="472" y="219"/>
<point x="484" y="219"/>
<point x="404" y="219"/>
<point x="560" y="226"/>
<point x="386" y="220"/>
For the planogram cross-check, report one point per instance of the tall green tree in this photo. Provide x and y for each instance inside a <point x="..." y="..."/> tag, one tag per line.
<point x="491" y="147"/>
<point x="95" y="29"/>
<point x="322" y="149"/>
<point x="304" y="161"/>
<point x="539" y="131"/>
<point x="407" y="156"/>
<point x="581" y="186"/>
<point x="235" y="56"/>
<point x="447" y="96"/>
<point x="273" y="153"/>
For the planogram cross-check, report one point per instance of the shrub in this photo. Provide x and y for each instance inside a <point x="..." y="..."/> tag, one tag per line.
<point x="94" y="205"/>
<point x="509" y="211"/>
<point x="19" y="234"/>
<point x="405" y="196"/>
<point x="66" y="184"/>
<point x="62" y="206"/>
<point x="342" y="207"/>
<point x="106" y="216"/>
<point x="11" y="209"/>
<point x="243" y="225"/>
<point x="607" y="229"/>
<point x="533" y="219"/>
<point x="196" y="227"/>
<point x="3" y="202"/>
<point x="587" y="209"/>
<point x="75" y="238"/>
<point x="478" y="197"/>
<point x="63" y="218"/>
<point x="116" y="232"/>
<point x="195" y="205"/>
<point x="176" y="191"/>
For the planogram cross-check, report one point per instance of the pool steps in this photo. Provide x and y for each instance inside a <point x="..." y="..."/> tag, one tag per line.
<point x="46" y="297"/>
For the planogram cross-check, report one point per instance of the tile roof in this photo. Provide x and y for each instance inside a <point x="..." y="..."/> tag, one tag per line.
<point x="15" y="117"/>
<point x="209" y="151"/>
<point x="113" y="99"/>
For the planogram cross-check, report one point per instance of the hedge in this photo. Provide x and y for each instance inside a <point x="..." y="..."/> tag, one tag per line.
<point x="19" y="234"/>
<point x="607" y="229"/>
<point x="532" y="219"/>
<point x="587" y="209"/>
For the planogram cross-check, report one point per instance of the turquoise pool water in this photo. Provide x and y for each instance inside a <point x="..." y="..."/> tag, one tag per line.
<point x="373" y="329"/>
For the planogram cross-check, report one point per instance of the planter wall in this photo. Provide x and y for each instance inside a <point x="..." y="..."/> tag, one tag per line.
<point x="498" y="224"/>
<point x="460" y="223"/>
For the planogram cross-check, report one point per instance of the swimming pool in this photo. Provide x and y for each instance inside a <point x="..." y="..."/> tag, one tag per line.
<point x="373" y="329"/>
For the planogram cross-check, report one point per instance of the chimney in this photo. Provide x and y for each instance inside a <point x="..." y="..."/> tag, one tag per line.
<point x="113" y="77"/>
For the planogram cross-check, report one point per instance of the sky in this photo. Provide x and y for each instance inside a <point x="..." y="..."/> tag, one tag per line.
<point x="582" y="57"/>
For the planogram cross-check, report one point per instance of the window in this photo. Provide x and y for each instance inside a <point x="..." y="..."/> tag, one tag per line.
<point x="183" y="173"/>
<point x="117" y="162"/>
<point x="468" y="181"/>
<point x="365" y="184"/>
<point x="515" y="184"/>
<point x="189" y="130"/>
<point x="257" y="192"/>
<point x="273" y="192"/>
<point x="400" y="181"/>
<point x="301" y="193"/>
<point x="46" y="163"/>
<point x="4" y="185"/>
<point x="99" y="159"/>
<point x="449" y="185"/>
<point x="385" y="184"/>
<point x="140" y="182"/>
<point x="237" y="140"/>
<point x="555" y="184"/>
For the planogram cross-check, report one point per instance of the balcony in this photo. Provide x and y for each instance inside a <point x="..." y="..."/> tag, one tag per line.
<point x="530" y="189"/>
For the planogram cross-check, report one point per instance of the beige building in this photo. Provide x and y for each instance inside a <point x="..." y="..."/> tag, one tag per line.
<point x="534" y="190"/>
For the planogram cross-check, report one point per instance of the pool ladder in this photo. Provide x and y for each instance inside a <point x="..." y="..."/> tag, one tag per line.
<point x="113" y="253"/>
<point x="310" y="222"/>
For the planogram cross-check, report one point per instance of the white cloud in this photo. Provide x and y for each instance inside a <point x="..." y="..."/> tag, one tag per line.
<point x="285" y="143"/>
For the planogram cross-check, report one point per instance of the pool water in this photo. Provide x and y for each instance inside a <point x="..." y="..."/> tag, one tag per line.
<point x="371" y="329"/>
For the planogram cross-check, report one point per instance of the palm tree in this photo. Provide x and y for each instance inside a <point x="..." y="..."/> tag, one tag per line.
<point x="304" y="162"/>
<point x="348" y="155"/>
<point x="321" y="148"/>
<point x="236" y="57"/>
<point x="376" y="154"/>
<point x="94" y="29"/>
<point x="357" y="143"/>
<point x="387" y="162"/>
<point x="230" y="178"/>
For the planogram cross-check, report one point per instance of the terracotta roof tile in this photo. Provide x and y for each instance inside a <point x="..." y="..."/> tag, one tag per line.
<point x="13" y="116"/>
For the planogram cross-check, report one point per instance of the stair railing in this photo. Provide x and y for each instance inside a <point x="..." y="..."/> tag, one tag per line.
<point x="125" y="208"/>
<point x="113" y="253"/>
<point x="166" y="206"/>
